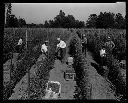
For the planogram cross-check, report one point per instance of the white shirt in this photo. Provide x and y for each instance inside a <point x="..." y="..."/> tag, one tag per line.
<point x="20" y="42"/>
<point x="44" y="48"/>
<point x="70" y="59"/>
<point x="102" y="52"/>
<point x="62" y="44"/>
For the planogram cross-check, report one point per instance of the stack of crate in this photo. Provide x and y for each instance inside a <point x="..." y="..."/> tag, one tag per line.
<point x="69" y="74"/>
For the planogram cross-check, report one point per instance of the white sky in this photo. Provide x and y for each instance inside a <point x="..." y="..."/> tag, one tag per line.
<point x="39" y="12"/>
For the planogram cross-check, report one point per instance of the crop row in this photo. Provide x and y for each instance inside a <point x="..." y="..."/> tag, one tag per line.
<point x="80" y="66"/>
<point x="30" y="56"/>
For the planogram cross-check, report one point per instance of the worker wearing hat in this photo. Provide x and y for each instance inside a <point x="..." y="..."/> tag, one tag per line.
<point x="109" y="45"/>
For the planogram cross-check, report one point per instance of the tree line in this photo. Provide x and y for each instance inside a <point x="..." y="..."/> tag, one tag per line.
<point x="103" y="20"/>
<point x="106" y="20"/>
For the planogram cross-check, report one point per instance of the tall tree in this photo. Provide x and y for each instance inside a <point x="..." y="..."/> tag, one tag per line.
<point x="13" y="21"/>
<point x="105" y="20"/>
<point x="62" y="21"/>
<point x="21" y="22"/>
<point x="8" y="9"/>
<point x="51" y="23"/>
<point x="71" y="21"/>
<point x="59" y="19"/>
<point x="119" y="21"/>
<point x="46" y="25"/>
<point x="91" y="22"/>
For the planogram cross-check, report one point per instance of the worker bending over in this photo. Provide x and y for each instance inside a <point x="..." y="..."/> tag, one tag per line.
<point x="44" y="48"/>
<point x="61" y="48"/>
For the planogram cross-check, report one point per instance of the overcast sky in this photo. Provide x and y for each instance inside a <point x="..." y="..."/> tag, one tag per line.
<point x="39" y="12"/>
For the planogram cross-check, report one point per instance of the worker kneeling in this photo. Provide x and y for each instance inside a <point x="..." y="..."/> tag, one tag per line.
<point x="53" y="90"/>
<point x="61" y="48"/>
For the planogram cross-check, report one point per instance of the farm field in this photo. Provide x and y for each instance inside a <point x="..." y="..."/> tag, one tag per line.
<point x="89" y="83"/>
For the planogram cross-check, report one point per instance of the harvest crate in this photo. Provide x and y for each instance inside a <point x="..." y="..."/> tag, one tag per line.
<point x="69" y="75"/>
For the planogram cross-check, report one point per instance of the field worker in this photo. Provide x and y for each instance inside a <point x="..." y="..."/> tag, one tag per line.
<point x="109" y="45"/>
<point x="62" y="48"/>
<point x="103" y="66"/>
<point x="84" y="44"/>
<point x="19" y="46"/>
<point x="44" y="48"/>
<point x="103" y="56"/>
<point x="70" y="61"/>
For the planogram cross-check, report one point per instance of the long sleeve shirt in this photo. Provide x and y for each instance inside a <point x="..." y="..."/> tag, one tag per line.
<point x="102" y="52"/>
<point x="44" y="48"/>
<point x="62" y="44"/>
<point x="20" y="42"/>
<point x="84" y="40"/>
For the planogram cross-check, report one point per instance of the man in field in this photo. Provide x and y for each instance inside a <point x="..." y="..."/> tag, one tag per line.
<point x="19" y="49"/>
<point x="105" y="52"/>
<point x="109" y="45"/>
<point x="61" y="48"/>
<point x="84" y="44"/>
<point x="19" y="46"/>
<point x="107" y="49"/>
<point x="103" y="66"/>
<point x="44" y="48"/>
<point x="103" y="56"/>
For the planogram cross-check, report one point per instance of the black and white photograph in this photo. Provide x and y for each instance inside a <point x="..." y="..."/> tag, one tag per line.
<point x="64" y="51"/>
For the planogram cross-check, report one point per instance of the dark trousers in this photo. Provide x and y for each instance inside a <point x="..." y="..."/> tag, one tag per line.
<point x="61" y="53"/>
<point x="19" y="48"/>
<point x="103" y="61"/>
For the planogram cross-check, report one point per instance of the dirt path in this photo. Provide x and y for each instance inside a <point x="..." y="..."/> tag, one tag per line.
<point x="100" y="88"/>
<point x="57" y="74"/>
<point x="89" y="57"/>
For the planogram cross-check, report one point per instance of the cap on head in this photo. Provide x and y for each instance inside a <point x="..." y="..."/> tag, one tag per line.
<point x="46" y="41"/>
<point x="58" y="38"/>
